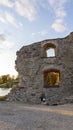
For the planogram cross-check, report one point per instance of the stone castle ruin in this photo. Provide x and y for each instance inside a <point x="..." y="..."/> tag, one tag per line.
<point x="46" y="71"/>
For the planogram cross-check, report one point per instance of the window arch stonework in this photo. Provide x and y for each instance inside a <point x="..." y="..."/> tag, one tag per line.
<point x="49" y="50"/>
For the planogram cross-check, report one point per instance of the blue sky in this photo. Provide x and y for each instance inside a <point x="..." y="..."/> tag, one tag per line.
<point x="23" y="22"/>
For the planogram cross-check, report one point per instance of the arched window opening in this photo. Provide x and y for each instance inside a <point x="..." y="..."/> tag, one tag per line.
<point x="51" y="78"/>
<point x="50" y="52"/>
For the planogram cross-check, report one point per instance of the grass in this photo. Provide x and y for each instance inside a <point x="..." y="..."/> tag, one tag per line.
<point x="2" y="98"/>
<point x="8" y="84"/>
<point x="3" y="85"/>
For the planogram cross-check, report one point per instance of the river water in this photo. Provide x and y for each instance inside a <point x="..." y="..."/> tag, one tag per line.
<point x="4" y="91"/>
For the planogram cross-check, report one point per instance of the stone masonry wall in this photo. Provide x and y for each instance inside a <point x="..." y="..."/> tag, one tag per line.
<point x="31" y="63"/>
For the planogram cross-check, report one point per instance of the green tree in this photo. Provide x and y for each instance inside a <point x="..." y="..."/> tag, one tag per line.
<point x="4" y="78"/>
<point x="1" y="81"/>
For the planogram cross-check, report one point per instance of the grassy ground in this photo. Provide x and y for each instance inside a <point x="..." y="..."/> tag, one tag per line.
<point x="8" y="84"/>
<point x="2" y="98"/>
<point x="3" y="85"/>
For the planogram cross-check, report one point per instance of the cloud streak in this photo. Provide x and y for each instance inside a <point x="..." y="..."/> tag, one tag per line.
<point x="59" y="25"/>
<point x="58" y="7"/>
<point x="6" y="3"/>
<point x="2" y="20"/>
<point x="4" y="43"/>
<point x="26" y="8"/>
<point x="9" y="18"/>
<point x="29" y="9"/>
<point x="41" y="33"/>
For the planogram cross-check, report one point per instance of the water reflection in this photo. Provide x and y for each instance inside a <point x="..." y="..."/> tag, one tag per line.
<point x="4" y="91"/>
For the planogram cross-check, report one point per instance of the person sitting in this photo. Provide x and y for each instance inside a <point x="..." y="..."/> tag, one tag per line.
<point x="43" y="98"/>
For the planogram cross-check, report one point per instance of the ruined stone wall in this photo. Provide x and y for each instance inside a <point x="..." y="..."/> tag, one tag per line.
<point x="32" y="61"/>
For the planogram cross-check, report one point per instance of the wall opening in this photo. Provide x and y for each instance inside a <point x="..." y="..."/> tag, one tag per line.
<point x="51" y="78"/>
<point x="49" y="50"/>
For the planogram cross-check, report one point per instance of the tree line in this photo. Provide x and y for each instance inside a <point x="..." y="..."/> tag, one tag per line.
<point x="8" y="80"/>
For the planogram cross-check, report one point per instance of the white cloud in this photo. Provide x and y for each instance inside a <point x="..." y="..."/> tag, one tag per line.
<point x="26" y="9"/>
<point x="58" y="7"/>
<point x="4" y="43"/>
<point x="59" y="25"/>
<point x="6" y="3"/>
<point x="42" y="3"/>
<point x="41" y="33"/>
<point x="2" y="20"/>
<point x="8" y="44"/>
<point x="9" y="18"/>
<point x="60" y="12"/>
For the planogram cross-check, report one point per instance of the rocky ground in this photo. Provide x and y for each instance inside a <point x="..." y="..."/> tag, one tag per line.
<point x="20" y="116"/>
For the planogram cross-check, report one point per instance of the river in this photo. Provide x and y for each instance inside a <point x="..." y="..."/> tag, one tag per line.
<point x="4" y="91"/>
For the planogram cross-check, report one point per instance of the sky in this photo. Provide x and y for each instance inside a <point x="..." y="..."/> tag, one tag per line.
<point x="23" y="22"/>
